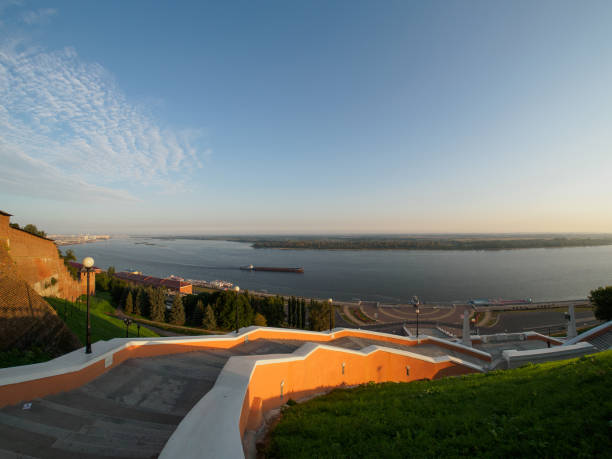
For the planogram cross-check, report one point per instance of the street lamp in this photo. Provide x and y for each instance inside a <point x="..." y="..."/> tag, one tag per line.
<point x="127" y="323"/>
<point x="88" y="263"/>
<point x="237" y="290"/>
<point x="416" y="302"/>
<point x="331" y="308"/>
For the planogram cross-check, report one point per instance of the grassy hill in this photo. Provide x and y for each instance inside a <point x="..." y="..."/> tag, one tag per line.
<point x="103" y="326"/>
<point x="557" y="409"/>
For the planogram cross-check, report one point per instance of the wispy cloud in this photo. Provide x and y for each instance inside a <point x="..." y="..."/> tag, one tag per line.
<point x="39" y="16"/>
<point x="70" y="116"/>
<point x="29" y="176"/>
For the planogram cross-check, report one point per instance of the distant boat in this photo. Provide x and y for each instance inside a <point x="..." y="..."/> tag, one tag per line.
<point x="498" y="302"/>
<point x="272" y="269"/>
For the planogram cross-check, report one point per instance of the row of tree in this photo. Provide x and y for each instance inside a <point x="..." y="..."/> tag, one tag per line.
<point x="215" y="310"/>
<point x="296" y="312"/>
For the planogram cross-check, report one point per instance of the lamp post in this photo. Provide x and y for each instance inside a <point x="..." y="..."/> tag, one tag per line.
<point x="237" y="290"/>
<point x="331" y="309"/>
<point x="127" y="323"/>
<point x="88" y="263"/>
<point x="416" y="302"/>
<point x="138" y="327"/>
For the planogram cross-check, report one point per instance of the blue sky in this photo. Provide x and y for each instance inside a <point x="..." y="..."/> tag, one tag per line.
<point x="307" y="117"/>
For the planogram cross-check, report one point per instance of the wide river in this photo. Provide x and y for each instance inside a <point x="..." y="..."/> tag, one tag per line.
<point x="375" y="275"/>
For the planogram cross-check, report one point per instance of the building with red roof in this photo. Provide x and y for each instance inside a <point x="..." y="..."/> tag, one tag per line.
<point x="170" y="284"/>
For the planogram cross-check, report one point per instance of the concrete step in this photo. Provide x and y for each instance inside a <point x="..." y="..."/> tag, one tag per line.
<point x="602" y="342"/>
<point x="79" y="435"/>
<point x="4" y="454"/>
<point x="85" y="401"/>
<point x="120" y="422"/>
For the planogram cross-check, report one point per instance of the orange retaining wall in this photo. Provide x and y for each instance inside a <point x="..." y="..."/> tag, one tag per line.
<point x="323" y="369"/>
<point x="39" y="387"/>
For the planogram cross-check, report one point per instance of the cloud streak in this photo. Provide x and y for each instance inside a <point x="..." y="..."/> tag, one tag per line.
<point x="70" y="116"/>
<point x="39" y="16"/>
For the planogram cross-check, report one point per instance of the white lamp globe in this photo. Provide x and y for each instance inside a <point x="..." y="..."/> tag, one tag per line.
<point x="88" y="262"/>
<point x="329" y="300"/>
<point x="236" y="289"/>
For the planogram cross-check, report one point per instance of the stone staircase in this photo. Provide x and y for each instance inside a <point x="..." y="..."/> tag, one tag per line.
<point x="602" y="342"/>
<point x="129" y="412"/>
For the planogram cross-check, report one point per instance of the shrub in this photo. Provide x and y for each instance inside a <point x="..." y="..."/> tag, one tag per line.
<point x="602" y="299"/>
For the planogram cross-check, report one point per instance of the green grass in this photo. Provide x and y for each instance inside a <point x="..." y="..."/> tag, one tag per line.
<point x="557" y="409"/>
<point x="183" y="330"/>
<point x="103" y="325"/>
<point x="15" y="357"/>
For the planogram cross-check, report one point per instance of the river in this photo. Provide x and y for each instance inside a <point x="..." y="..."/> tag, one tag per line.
<point x="375" y="275"/>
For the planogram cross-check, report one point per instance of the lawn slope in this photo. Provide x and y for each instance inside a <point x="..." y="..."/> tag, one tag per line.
<point x="103" y="325"/>
<point x="557" y="409"/>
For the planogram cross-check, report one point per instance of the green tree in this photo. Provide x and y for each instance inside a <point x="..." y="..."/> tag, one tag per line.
<point x="129" y="304"/>
<point x="198" y="314"/>
<point x="33" y="230"/>
<point x="291" y="311"/>
<point x="111" y="270"/>
<point x="102" y="282"/>
<point x="189" y="305"/>
<point x="209" y="321"/>
<point x="177" y="313"/>
<point x="138" y="303"/>
<point x="147" y="299"/>
<point x="157" y="305"/>
<point x="318" y="315"/>
<point x="227" y="303"/>
<point x="117" y="291"/>
<point x="602" y="299"/>
<point x="303" y="310"/>
<point x="259" y="320"/>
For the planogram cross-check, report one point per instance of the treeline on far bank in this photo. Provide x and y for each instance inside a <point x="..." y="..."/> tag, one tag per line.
<point x="432" y="243"/>
<point x="215" y="310"/>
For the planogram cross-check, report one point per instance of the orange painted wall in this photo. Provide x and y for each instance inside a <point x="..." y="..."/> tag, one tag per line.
<point x="15" y="393"/>
<point x="322" y="370"/>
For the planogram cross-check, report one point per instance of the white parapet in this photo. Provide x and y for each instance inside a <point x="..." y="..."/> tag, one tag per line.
<point x="515" y="358"/>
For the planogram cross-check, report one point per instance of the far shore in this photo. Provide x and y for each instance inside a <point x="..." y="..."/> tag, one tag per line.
<point x="437" y="243"/>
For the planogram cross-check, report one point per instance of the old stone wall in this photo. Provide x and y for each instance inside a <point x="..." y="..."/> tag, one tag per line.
<point x="26" y="320"/>
<point x="39" y="264"/>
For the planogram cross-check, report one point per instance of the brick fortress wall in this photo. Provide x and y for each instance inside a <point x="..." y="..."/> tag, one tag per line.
<point x="26" y="320"/>
<point x="37" y="262"/>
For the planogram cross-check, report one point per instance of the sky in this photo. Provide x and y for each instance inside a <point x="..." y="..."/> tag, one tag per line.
<point x="287" y="117"/>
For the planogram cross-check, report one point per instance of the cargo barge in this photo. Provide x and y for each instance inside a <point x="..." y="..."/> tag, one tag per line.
<point x="272" y="269"/>
<point x="498" y="302"/>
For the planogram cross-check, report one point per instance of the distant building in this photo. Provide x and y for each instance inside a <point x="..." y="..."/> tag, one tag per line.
<point x="169" y="283"/>
<point x="92" y="273"/>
